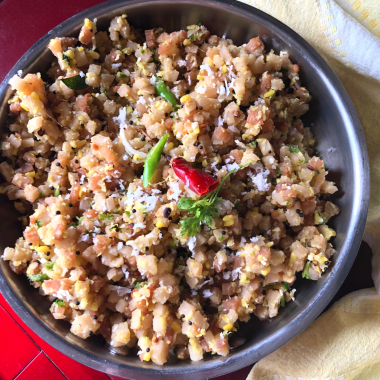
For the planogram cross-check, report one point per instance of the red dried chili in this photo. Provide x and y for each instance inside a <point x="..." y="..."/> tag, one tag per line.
<point x="195" y="179"/>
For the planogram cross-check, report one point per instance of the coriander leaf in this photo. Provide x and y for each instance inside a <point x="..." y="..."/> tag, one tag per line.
<point x="75" y="83"/>
<point x="56" y="192"/>
<point x="294" y="149"/>
<point x="49" y="266"/>
<point x="190" y="226"/>
<point x="286" y="286"/>
<point x="305" y="273"/>
<point x="41" y="277"/>
<point x="38" y="223"/>
<point x="185" y="203"/>
<point x="59" y="302"/>
<point x="278" y="170"/>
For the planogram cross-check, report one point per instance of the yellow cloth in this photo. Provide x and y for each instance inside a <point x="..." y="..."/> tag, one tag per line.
<point x="344" y="343"/>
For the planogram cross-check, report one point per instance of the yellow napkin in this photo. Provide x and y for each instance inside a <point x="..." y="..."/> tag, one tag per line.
<point x="344" y="343"/>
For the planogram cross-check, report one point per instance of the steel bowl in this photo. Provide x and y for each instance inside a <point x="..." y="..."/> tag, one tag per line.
<point x="334" y="123"/>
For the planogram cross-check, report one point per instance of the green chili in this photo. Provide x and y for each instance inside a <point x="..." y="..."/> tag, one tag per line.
<point x="152" y="160"/>
<point x="162" y="90"/>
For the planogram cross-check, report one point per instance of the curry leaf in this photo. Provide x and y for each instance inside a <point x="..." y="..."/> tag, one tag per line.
<point x="75" y="83"/>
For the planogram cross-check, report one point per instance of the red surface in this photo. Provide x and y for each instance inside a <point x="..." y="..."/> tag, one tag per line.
<point x="24" y="22"/>
<point x="41" y="368"/>
<point x="12" y="339"/>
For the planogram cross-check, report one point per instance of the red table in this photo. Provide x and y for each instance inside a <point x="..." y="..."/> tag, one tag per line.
<point x="25" y="356"/>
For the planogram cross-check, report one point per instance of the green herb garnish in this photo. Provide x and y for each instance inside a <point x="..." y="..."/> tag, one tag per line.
<point x="41" y="277"/>
<point x="75" y="83"/>
<point x="49" y="266"/>
<point x="278" y="170"/>
<point x="56" y="192"/>
<point x="59" y="302"/>
<point x="305" y="273"/>
<point x="80" y="219"/>
<point x="203" y="209"/>
<point x="104" y="216"/>
<point x="294" y="149"/>
<point x="38" y="223"/>
<point x="282" y="302"/>
<point x="66" y="58"/>
<point x="140" y="285"/>
<point x="174" y="243"/>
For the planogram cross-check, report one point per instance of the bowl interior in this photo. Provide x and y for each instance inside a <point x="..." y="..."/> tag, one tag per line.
<point x="334" y="125"/>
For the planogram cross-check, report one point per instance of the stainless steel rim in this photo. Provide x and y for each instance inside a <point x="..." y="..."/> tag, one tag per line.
<point x="285" y="333"/>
